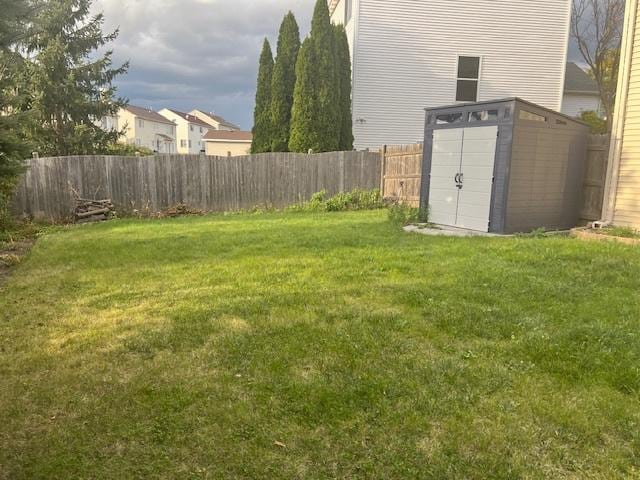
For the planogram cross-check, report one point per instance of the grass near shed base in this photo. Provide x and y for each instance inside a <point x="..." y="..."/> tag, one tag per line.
<point x="318" y="346"/>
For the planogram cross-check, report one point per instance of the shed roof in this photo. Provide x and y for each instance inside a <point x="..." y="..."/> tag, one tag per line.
<point x="577" y="81"/>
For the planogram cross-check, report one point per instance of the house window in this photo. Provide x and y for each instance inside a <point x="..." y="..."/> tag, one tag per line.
<point x="183" y="143"/>
<point x="468" y="79"/>
<point x="200" y="129"/>
<point x="138" y="142"/>
<point x="348" y="11"/>
<point x="191" y="127"/>
<point x="140" y="123"/>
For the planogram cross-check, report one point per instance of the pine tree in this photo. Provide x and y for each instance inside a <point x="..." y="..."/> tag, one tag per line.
<point x="70" y="84"/>
<point x="13" y="147"/>
<point x="343" y="62"/>
<point x="304" y="131"/>
<point x="324" y="45"/>
<point x="262" y="122"/>
<point x="284" y="80"/>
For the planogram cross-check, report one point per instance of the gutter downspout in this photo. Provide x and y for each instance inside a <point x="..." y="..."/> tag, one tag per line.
<point x="617" y="131"/>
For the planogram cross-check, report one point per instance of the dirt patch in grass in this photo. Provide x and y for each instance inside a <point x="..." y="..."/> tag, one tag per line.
<point x="11" y="254"/>
<point x="624" y="235"/>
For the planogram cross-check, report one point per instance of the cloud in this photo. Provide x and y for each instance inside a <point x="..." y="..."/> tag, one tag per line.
<point x="195" y="53"/>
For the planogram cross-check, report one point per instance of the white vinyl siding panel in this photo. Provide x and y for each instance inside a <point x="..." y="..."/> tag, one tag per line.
<point x="574" y="104"/>
<point x="627" y="206"/>
<point x="406" y="54"/>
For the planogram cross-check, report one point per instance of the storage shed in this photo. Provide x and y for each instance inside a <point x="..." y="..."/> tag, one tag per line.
<point x="503" y="166"/>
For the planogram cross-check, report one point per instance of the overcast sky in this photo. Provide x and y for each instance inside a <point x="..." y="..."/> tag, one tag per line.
<point x="203" y="54"/>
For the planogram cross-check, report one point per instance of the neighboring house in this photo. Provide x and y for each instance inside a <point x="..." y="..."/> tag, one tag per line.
<point x="411" y="54"/>
<point x="216" y="121"/>
<point x="227" y="143"/>
<point x="622" y="190"/>
<point x="190" y="130"/>
<point x="581" y="92"/>
<point x="144" y="128"/>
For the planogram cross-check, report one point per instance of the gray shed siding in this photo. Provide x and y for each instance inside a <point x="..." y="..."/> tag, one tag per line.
<point x="539" y="166"/>
<point x="547" y="168"/>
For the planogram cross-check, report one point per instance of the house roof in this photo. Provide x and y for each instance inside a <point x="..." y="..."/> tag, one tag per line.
<point x="190" y="118"/>
<point x="147" y="114"/>
<point x="577" y="81"/>
<point x="223" y="122"/>
<point x="225" y="136"/>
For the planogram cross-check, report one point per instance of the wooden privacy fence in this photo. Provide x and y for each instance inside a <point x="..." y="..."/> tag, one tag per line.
<point x="402" y="172"/>
<point x="595" y="177"/>
<point x="209" y="183"/>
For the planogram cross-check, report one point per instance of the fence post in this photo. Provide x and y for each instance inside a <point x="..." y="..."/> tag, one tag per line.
<point x="383" y="162"/>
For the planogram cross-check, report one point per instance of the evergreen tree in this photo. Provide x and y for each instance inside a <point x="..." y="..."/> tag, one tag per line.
<point x="304" y="131"/>
<point x="324" y="65"/>
<point x="262" y="122"/>
<point x="284" y="80"/>
<point x="343" y="62"/>
<point x="315" y="120"/>
<point x="13" y="147"/>
<point x="70" y="85"/>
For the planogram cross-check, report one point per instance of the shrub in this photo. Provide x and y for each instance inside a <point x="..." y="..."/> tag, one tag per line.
<point x="597" y="124"/>
<point x="347" y="201"/>
<point x="403" y="214"/>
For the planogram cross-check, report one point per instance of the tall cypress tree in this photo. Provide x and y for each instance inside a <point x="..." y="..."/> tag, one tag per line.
<point x="284" y="80"/>
<point x="343" y="63"/>
<point x="70" y="83"/>
<point x="304" y="131"/>
<point x="324" y="45"/>
<point x="262" y="122"/>
<point x="315" y="122"/>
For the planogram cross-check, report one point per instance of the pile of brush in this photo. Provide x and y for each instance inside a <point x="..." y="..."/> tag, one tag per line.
<point x="92" y="210"/>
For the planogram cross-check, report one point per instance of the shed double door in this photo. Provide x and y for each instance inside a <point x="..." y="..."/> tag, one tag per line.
<point x="461" y="179"/>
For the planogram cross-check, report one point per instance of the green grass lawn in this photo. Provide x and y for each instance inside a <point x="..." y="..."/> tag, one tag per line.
<point x="318" y="346"/>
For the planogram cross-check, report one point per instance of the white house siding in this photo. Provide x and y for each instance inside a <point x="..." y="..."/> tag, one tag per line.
<point x="573" y="104"/>
<point x="406" y="58"/>
<point x="188" y="135"/>
<point x="627" y="198"/>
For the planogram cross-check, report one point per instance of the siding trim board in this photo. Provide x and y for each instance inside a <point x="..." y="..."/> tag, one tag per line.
<point x="618" y="208"/>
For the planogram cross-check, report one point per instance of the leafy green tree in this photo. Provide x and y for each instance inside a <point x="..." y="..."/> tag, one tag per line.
<point x="262" y="122"/>
<point x="343" y="62"/>
<point x="598" y="125"/>
<point x="283" y="83"/>
<point x="70" y="85"/>
<point x="304" y="131"/>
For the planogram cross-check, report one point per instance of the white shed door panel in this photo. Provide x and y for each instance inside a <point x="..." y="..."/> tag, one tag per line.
<point x="445" y="165"/>
<point x="470" y="152"/>
<point x="478" y="158"/>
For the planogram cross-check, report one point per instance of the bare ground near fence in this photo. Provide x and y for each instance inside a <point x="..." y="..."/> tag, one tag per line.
<point x="209" y="183"/>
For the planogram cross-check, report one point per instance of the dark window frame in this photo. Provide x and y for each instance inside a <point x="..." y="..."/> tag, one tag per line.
<point x="465" y="78"/>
